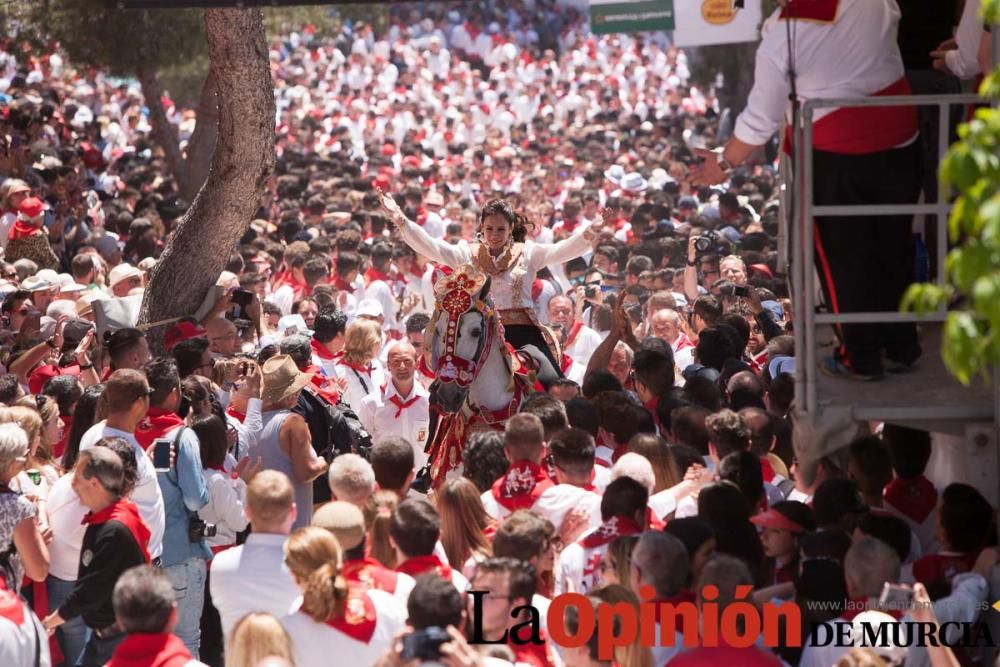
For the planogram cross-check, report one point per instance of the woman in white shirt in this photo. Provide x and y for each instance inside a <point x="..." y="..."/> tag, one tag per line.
<point x="362" y="343"/>
<point x="503" y="252"/>
<point x="353" y="624"/>
<point x="226" y="491"/>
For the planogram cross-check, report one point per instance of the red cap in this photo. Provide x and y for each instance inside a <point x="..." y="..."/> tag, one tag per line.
<point x="42" y="374"/>
<point x="180" y="332"/>
<point x="775" y="519"/>
<point x="93" y="159"/>
<point x="31" y="208"/>
<point x="388" y="150"/>
<point x="381" y="181"/>
<point x="762" y="268"/>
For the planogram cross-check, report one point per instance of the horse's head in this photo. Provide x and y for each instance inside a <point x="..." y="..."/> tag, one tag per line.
<point x="462" y="331"/>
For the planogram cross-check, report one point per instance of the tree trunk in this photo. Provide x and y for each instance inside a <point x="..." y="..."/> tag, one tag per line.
<point x="241" y="164"/>
<point x="201" y="145"/>
<point x="164" y="133"/>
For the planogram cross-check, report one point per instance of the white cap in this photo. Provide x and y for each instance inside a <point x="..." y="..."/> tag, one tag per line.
<point x="296" y="323"/>
<point x="35" y="284"/>
<point x="369" y="308"/>
<point x="123" y="272"/>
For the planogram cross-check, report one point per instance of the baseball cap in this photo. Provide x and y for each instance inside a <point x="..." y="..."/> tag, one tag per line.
<point x="790" y="515"/>
<point x="344" y="520"/>
<point x="369" y="308"/>
<point x="180" y="332"/>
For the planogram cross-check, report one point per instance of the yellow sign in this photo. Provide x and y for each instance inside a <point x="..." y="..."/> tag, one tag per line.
<point x="718" y="12"/>
<point x="996" y="605"/>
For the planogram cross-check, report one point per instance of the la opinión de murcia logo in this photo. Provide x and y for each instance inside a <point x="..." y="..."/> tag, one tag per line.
<point x="740" y="624"/>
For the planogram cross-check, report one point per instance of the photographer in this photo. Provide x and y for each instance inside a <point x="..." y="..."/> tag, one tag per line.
<point x="185" y="551"/>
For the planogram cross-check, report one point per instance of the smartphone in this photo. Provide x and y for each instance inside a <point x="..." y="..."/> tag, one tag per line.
<point x="241" y="297"/>
<point x="897" y="597"/>
<point x="161" y="454"/>
<point x="741" y="290"/>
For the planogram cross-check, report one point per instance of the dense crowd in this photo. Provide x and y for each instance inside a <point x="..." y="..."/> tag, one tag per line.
<point x="257" y="491"/>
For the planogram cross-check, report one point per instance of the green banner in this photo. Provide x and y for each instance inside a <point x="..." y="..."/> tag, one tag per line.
<point x="631" y="16"/>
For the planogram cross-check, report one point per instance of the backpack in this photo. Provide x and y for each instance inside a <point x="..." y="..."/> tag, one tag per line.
<point x="345" y="433"/>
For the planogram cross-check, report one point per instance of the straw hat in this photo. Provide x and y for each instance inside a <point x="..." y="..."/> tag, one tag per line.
<point x="344" y="520"/>
<point x="282" y="378"/>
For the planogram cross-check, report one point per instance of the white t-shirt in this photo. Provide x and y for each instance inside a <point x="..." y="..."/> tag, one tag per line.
<point x="147" y="495"/>
<point x="66" y="519"/>
<point x="314" y="643"/>
<point x="21" y="635"/>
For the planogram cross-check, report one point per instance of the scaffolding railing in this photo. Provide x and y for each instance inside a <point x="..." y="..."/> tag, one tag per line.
<point x="797" y="246"/>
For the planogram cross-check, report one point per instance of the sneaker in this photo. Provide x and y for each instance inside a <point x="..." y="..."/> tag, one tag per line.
<point x="831" y="367"/>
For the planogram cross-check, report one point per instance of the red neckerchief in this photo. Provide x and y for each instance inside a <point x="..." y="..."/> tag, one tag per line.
<point x="424" y="368"/>
<point x="399" y="402"/>
<point x="342" y="285"/>
<point x="942" y="566"/>
<point x="359" y="619"/>
<point x="60" y="447"/>
<point x="360" y="369"/>
<point x="321" y="383"/>
<point x="615" y="527"/>
<point x="149" y="650"/>
<point x="521" y="486"/>
<point x="236" y="414"/>
<point x="766" y="469"/>
<point x="914" y="498"/>
<point x="567" y="363"/>
<point x="784" y="574"/>
<point x="425" y="565"/>
<point x="574" y="331"/>
<point x="619" y="451"/>
<point x="22" y="230"/>
<point x="372" y="275"/>
<point x="156" y="424"/>
<point x="683" y="342"/>
<point x="590" y="485"/>
<point x="321" y="350"/>
<point x="371" y="574"/>
<point x="570" y="225"/>
<point x="126" y="513"/>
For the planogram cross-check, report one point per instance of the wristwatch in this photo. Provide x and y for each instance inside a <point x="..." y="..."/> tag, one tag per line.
<point x="722" y="161"/>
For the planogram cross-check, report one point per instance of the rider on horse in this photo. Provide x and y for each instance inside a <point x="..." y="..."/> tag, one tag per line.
<point x="503" y="252"/>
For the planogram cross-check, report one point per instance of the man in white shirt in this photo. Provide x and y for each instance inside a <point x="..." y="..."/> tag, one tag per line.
<point x="579" y="341"/>
<point x="666" y="324"/>
<point x="572" y="453"/>
<point x="253" y="577"/>
<point x="328" y="340"/>
<point x="401" y="406"/>
<point x="525" y="480"/>
<point x="22" y="638"/>
<point x="379" y="285"/>
<point x="127" y="396"/>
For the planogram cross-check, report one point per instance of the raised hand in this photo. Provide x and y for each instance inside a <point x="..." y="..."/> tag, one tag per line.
<point x="391" y="208"/>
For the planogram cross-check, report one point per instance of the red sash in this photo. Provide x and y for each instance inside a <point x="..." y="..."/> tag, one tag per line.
<point x="574" y="331"/>
<point x="156" y="424"/>
<point x="812" y="10"/>
<point x="425" y="564"/>
<point x="367" y="370"/>
<point x="613" y="528"/>
<point x="126" y="513"/>
<point x="424" y="369"/>
<point x="359" y="619"/>
<point x="521" y="486"/>
<point x="863" y="130"/>
<point x="148" y="650"/>
<point x="915" y="498"/>
<point x="370" y="574"/>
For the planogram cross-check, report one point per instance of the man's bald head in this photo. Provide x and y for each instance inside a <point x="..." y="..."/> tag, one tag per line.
<point x="222" y="336"/>
<point x="561" y="310"/>
<point x="666" y="324"/>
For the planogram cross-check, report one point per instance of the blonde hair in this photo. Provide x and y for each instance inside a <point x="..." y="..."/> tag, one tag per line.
<point x="359" y="339"/>
<point x="7" y="187"/>
<point x="378" y="514"/>
<point x="27" y="418"/>
<point x="314" y="557"/>
<point x="48" y="411"/>
<point x="256" y="636"/>
<point x="269" y="498"/>
<point x="656" y="451"/>
<point x="635" y="654"/>
<point x="463" y="521"/>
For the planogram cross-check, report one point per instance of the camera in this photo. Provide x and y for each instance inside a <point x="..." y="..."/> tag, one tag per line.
<point x="424" y="644"/>
<point x="707" y="243"/>
<point x="241" y="297"/>
<point x="199" y="530"/>
<point x="590" y="291"/>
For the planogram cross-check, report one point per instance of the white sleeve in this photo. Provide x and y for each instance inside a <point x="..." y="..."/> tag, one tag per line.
<point x="544" y="254"/>
<point x="765" y="110"/>
<point x="434" y="249"/>
<point x="253" y="424"/>
<point x="366" y="415"/>
<point x="226" y="502"/>
<point x="963" y="62"/>
<point x="968" y="592"/>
